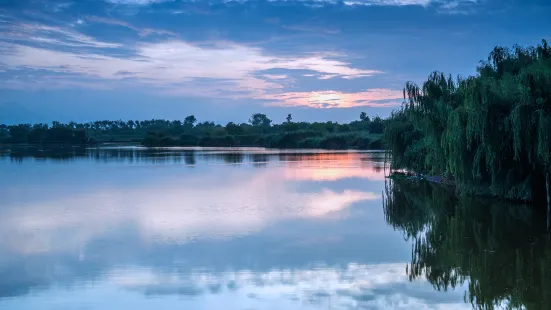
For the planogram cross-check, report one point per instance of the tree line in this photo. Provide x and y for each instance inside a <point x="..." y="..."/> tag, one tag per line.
<point x="365" y="133"/>
<point x="490" y="133"/>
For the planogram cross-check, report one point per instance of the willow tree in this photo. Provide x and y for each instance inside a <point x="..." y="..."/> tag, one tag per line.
<point x="490" y="132"/>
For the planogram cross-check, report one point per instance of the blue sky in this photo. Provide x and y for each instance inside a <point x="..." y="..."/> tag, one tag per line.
<point x="224" y="60"/>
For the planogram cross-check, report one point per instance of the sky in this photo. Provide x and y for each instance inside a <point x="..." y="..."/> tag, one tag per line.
<point x="223" y="60"/>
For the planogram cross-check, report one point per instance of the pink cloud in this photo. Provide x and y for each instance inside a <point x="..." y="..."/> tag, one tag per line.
<point x="336" y="99"/>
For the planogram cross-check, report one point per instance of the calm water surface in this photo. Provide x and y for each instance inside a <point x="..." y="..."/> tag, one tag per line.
<point x="130" y="228"/>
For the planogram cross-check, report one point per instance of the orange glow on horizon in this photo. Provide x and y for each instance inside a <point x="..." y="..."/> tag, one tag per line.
<point x="375" y="97"/>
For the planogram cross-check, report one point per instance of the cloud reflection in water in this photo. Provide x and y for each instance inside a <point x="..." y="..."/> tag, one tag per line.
<point x="299" y="232"/>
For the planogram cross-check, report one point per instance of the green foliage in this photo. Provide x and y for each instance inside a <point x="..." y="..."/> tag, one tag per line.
<point x="259" y="119"/>
<point x="159" y="139"/>
<point x="336" y="141"/>
<point x="44" y="134"/>
<point x="190" y="120"/>
<point x="340" y="141"/>
<point x="491" y="132"/>
<point x="290" y="139"/>
<point x="189" y="140"/>
<point x="310" y="143"/>
<point x="234" y="129"/>
<point x="217" y="141"/>
<point x="250" y="140"/>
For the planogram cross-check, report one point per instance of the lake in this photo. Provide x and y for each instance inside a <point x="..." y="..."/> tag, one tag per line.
<point x="178" y="228"/>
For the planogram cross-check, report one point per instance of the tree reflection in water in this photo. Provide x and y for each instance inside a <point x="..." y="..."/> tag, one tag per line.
<point x="499" y="248"/>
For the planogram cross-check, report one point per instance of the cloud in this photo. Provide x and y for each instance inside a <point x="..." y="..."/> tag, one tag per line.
<point x="312" y="28"/>
<point x="53" y="35"/>
<point x="309" y="2"/>
<point x="47" y="82"/>
<point x="326" y="76"/>
<point x="173" y="67"/>
<point x="389" y="2"/>
<point x="144" y="32"/>
<point x="379" y="97"/>
<point x="442" y="5"/>
<point x="275" y="76"/>
<point x="137" y="2"/>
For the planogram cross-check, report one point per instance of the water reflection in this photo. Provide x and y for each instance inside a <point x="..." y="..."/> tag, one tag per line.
<point x="499" y="249"/>
<point x="133" y="154"/>
<point x="118" y="228"/>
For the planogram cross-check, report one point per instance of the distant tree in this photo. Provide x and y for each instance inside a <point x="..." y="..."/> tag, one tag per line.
<point x="190" y="120"/>
<point x="130" y="124"/>
<point x="259" y="119"/>
<point x="289" y="118"/>
<point x="364" y="117"/>
<point x="233" y="129"/>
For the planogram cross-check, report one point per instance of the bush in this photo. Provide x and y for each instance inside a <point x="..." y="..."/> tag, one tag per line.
<point x="189" y="140"/>
<point x="361" y="142"/>
<point x="376" y="144"/>
<point x="337" y="141"/>
<point x="158" y="139"/>
<point x="310" y="143"/>
<point x="223" y="141"/>
<point x="290" y="139"/>
<point x="248" y="140"/>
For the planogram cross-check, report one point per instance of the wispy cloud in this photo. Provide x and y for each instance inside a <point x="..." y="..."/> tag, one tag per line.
<point x="312" y="28"/>
<point x="223" y="70"/>
<point x="275" y="76"/>
<point x="389" y="2"/>
<point x="31" y="82"/>
<point x="379" y="97"/>
<point x="40" y="33"/>
<point x="141" y="31"/>
<point x="442" y="4"/>
<point x="137" y="2"/>
<point x="326" y="76"/>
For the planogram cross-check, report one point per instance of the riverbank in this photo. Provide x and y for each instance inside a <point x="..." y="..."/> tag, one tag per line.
<point x="421" y="177"/>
